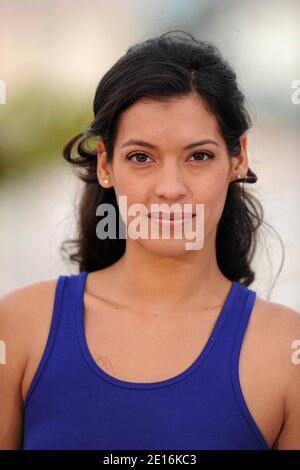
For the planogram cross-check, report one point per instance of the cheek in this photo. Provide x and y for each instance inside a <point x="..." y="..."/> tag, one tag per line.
<point x="126" y="185"/>
<point x="134" y="193"/>
<point x="131" y="192"/>
<point x="213" y="197"/>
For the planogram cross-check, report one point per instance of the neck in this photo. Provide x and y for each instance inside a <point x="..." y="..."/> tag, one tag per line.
<point x="156" y="282"/>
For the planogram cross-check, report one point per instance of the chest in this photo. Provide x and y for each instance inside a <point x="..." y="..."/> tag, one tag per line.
<point x="153" y="350"/>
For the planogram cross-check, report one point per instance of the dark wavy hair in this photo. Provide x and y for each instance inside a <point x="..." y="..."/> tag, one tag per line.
<point x="160" y="68"/>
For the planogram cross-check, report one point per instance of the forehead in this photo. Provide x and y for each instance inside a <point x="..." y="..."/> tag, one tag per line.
<point x="184" y="118"/>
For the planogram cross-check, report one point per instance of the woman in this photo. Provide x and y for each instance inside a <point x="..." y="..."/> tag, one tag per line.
<point x="153" y="345"/>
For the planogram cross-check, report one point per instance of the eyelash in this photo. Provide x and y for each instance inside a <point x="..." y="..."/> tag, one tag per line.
<point x="130" y="156"/>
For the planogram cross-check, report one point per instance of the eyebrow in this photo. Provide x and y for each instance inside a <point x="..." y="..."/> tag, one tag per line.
<point x="186" y="147"/>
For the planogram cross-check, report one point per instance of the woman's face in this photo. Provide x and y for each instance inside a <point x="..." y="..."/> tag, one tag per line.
<point x="165" y="170"/>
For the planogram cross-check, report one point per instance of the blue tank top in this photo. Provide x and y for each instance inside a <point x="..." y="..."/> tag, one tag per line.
<point x="73" y="404"/>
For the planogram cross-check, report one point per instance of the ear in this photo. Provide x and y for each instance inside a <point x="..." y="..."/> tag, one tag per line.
<point x="103" y="167"/>
<point x="239" y="163"/>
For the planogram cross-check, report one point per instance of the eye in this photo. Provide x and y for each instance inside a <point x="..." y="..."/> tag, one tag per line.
<point x="210" y="157"/>
<point x="138" y="155"/>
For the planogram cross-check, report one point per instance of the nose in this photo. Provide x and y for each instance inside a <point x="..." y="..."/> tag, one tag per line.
<point x="170" y="184"/>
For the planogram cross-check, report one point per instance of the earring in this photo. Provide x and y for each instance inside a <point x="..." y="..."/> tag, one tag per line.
<point x="249" y="178"/>
<point x="237" y="178"/>
<point x="105" y="181"/>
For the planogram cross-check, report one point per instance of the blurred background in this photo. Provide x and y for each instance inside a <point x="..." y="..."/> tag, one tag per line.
<point x="52" y="56"/>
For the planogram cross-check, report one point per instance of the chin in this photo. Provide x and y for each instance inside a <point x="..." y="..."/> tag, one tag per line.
<point x="167" y="248"/>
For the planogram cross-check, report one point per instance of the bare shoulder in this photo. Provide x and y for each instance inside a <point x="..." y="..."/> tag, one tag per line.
<point x="278" y="323"/>
<point x="25" y="308"/>
<point x="277" y="328"/>
<point x="32" y="292"/>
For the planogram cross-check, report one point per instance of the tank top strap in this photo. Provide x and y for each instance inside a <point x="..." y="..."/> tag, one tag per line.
<point x="241" y="314"/>
<point x="221" y="367"/>
<point x="234" y="333"/>
<point x="239" y="306"/>
<point x="62" y="346"/>
<point x="71" y="305"/>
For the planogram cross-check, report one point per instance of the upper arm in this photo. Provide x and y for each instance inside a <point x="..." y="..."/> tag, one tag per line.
<point x="289" y="436"/>
<point x="24" y="316"/>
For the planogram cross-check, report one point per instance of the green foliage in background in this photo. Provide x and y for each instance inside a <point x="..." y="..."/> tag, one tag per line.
<point x="36" y="123"/>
